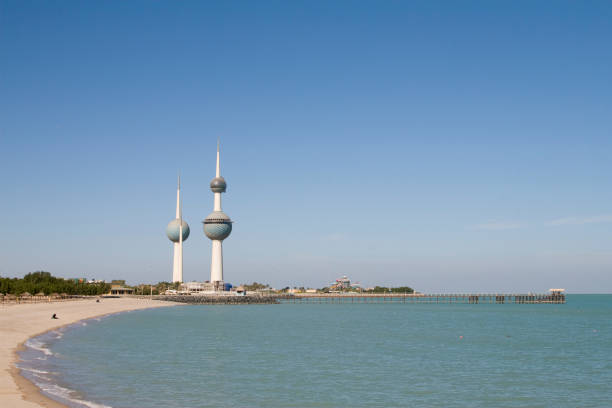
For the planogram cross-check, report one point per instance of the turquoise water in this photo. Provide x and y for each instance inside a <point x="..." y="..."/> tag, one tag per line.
<point x="335" y="355"/>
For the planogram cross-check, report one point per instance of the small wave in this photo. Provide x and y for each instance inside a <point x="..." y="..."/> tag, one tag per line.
<point x="58" y="334"/>
<point x="44" y="377"/>
<point x="33" y="370"/>
<point x="67" y="394"/>
<point x="84" y="324"/>
<point x="38" y="346"/>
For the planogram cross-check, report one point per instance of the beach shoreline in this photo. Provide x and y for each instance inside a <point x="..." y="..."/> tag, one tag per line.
<point x="21" y="322"/>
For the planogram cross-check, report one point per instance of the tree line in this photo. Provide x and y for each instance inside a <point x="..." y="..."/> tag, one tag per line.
<point x="41" y="281"/>
<point x="380" y="289"/>
<point x="255" y="286"/>
<point x="376" y="289"/>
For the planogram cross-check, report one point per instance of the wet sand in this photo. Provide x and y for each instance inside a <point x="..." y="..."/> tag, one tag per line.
<point x="19" y="322"/>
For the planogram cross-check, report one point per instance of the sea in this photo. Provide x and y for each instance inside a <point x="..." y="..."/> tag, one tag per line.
<point x="333" y="355"/>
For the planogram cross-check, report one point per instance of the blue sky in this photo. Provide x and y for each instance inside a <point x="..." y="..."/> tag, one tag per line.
<point x="449" y="146"/>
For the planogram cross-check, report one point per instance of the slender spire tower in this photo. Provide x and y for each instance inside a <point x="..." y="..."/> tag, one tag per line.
<point x="217" y="227"/>
<point x="178" y="231"/>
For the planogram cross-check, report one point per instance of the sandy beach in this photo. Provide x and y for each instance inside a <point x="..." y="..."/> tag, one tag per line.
<point x="20" y="322"/>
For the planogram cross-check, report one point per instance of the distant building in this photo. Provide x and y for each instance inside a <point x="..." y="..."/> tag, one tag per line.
<point x="204" y="287"/>
<point x="343" y="283"/>
<point x="358" y="286"/>
<point x="195" y="287"/>
<point x="121" y="290"/>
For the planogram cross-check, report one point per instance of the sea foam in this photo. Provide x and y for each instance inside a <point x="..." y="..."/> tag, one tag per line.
<point x="67" y="394"/>
<point x="38" y="346"/>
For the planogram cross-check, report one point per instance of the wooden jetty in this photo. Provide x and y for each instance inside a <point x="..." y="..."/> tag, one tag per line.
<point x="478" y="298"/>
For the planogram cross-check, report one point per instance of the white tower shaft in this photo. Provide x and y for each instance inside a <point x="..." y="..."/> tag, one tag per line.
<point x="177" y="269"/>
<point x="216" y="263"/>
<point x="217" y="202"/>
<point x="180" y="262"/>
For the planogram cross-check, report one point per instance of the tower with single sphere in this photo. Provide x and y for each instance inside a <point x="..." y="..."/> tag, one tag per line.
<point x="177" y="232"/>
<point x="217" y="227"/>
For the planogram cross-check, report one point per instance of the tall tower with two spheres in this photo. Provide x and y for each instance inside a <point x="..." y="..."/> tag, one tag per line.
<point x="178" y="231"/>
<point x="217" y="227"/>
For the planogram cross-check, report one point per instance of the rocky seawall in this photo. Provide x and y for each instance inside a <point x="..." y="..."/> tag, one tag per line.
<point x="219" y="300"/>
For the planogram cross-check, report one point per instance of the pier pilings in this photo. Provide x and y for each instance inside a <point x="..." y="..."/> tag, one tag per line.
<point x="437" y="298"/>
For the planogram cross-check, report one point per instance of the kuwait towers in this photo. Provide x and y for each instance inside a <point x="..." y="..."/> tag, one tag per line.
<point x="217" y="227"/>
<point x="178" y="231"/>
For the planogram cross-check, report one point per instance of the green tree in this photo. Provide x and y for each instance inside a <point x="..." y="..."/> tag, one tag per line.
<point x="255" y="286"/>
<point x="41" y="281"/>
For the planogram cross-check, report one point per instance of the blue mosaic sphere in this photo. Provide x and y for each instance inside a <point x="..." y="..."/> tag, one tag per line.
<point x="173" y="230"/>
<point x="217" y="225"/>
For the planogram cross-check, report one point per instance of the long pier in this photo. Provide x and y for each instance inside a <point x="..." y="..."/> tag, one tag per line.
<point x="476" y="298"/>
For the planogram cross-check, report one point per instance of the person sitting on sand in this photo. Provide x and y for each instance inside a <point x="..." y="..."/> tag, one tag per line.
<point x="54" y="316"/>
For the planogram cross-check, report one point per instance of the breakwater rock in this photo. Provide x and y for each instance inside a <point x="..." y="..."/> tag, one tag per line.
<point x="219" y="299"/>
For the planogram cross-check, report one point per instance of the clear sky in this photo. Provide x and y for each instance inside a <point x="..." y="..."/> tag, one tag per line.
<point x="449" y="146"/>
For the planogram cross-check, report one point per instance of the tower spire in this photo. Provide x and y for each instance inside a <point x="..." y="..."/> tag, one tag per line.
<point x="180" y="243"/>
<point x="218" y="167"/>
<point x="178" y="197"/>
<point x="178" y="231"/>
<point x="179" y="202"/>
